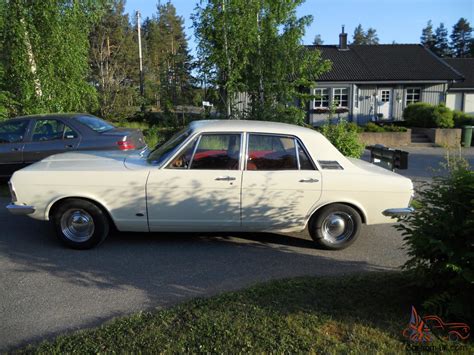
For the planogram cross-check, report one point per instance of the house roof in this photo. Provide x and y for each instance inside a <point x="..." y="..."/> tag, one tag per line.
<point x="465" y="66"/>
<point x="384" y="62"/>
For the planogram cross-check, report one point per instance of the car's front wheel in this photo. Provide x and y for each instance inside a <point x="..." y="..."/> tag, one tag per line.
<point x="335" y="227"/>
<point x="80" y="224"/>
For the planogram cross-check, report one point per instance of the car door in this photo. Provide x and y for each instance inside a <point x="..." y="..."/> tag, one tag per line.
<point x="280" y="183"/>
<point x="48" y="137"/>
<point x="12" y="136"/>
<point x="199" y="190"/>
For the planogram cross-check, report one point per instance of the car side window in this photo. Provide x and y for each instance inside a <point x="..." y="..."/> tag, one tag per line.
<point x="13" y="131"/>
<point x="271" y="152"/>
<point x="216" y="152"/>
<point x="183" y="160"/>
<point x="49" y="130"/>
<point x="305" y="161"/>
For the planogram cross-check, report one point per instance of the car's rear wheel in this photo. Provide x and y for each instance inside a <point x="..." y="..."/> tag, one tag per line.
<point x="80" y="224"/>
<point x="335" y="227"/>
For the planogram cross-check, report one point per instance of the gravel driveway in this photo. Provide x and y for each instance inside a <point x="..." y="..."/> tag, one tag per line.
<point x="47" y="289"/>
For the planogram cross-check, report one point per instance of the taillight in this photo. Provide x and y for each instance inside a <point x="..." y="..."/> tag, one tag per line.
<point x="125" y="145"/>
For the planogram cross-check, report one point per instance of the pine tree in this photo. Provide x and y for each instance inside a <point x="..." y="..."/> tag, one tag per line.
<point x="461" y="38"/>
<point x="441" y="46"/>
<point x="113" y="58"/>
<point x="359" y="35"/>
<point x="169" y="62"/>
<point x="362" y="37"/>
<point x="427" y="38"/>
<point x="318" y="41"/>
<point x="371" y="36"/>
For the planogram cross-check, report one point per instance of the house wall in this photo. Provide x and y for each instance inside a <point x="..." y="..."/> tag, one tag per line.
<point x="461" y="100"/>
<point x="317" y="119"/>
<point x="363" y="106"/>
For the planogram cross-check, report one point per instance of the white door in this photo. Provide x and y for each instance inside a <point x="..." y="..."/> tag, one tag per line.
<point x="454" y="100"/>
<point x="280" y="184"/>
<point x="384" y="103"/>
<point x="200" y="189"/>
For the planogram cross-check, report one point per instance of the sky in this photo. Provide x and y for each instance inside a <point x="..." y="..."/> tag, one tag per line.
<point x="400" y="21"/>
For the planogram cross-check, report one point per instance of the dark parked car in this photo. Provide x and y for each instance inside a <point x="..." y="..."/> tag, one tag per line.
<point x="25" y="140"/>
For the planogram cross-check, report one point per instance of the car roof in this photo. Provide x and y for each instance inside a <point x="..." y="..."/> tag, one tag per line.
<point x="248" y="126"/>
<point x="52" y="115"/>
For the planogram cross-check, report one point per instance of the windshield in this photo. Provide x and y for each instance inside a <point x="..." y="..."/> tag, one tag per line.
<point x="161" y="153"/>
<point x="95" y="123"/>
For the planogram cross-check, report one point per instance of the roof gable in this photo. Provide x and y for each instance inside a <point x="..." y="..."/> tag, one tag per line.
<point x="385" y="62"/>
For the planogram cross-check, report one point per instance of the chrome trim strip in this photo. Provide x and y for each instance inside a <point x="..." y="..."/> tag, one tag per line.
<point x="398" y="212"/>
<point x="19" y="210"/>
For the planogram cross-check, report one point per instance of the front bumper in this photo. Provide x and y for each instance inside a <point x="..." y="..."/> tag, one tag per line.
<point x="20" y="209"/>
<point x="398" y="212"/>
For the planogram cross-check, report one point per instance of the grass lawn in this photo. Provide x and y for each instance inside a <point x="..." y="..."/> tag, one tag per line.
<point x="357" y="314"/>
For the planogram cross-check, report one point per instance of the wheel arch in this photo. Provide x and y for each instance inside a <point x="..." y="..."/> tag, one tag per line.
<point x="351" y="204"/>
<point x="57" y="202"/>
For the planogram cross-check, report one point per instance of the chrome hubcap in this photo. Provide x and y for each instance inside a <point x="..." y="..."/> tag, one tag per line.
<point x="337" y="227"/>
<point x="77" y="225"/>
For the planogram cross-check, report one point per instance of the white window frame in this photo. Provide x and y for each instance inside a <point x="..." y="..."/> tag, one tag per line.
<point x="411" y="100"/>
<point x="339" y="92"/>
<point x="318" y="101"/>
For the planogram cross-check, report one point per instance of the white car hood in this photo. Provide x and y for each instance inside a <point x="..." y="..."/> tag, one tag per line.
<point x="82" y="161"/>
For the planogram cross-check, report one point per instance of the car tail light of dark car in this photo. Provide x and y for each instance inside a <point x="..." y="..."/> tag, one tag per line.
<point x="126" y="145"/>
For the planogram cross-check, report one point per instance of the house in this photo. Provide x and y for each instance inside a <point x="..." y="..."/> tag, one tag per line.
<point x="376" y="82"/>
<point x="461" y="94"/>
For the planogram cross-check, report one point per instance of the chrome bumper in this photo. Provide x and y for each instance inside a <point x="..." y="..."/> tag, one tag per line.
<point x="20" y="209"/>
<point x="398" y="212"/>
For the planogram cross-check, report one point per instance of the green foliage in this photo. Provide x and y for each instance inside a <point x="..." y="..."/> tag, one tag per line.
<point x="254" y="47"/>
<point x="361" y="36"/>
<point x="344" y="136"/>
<point x="424" y="115"/>
<point x="439" y="238"/>
<point x="372" y="127"/>
<point x="461" y="38"/>
<point x="167" y="60"/>
<point x="461" y="119"/>
<point x="45" y="55"/>
<point x="113" y="61"/>
<point x="427" y="36"/>
<point x="441" y="45"/>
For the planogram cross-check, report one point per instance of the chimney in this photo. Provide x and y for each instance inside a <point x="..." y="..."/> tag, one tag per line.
<point x="343" y="40"/>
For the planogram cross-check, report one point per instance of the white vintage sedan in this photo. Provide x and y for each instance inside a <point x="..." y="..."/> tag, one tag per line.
<point x="214" y="175"/>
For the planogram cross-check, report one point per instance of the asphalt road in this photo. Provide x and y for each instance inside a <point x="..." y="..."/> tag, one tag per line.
<point x="46" y="289"/>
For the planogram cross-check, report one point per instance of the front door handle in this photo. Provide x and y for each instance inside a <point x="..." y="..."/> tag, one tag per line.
<point x="68" y="146"/>
<point x="16" y="149"/>
<point x="225" y="178"/>
<point x="309" y="180"/>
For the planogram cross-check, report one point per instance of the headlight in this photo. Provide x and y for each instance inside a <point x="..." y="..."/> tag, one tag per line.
<point x="12" y="192"/>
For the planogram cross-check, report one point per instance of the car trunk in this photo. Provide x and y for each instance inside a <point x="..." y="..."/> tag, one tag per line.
<point x="132" y="136"/>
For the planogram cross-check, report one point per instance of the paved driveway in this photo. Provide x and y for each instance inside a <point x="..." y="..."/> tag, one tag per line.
<point x="46" y="289"/>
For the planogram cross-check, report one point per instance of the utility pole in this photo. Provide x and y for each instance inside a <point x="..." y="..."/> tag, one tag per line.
<point x="142" y="91"/>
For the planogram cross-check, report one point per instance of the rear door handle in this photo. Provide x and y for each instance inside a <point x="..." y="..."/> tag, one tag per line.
<point x="225" y="178"/>
<point x="309" y="180"/>
<point x="16" y="149"/>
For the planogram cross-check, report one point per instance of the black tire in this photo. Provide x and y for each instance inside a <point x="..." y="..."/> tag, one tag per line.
<point x="80" y="224"/>
<point x="327" y="222"/>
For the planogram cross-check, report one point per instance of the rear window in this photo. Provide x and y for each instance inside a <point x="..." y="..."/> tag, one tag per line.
<point x="95" y="123"/>
<point x="12" y="131"/>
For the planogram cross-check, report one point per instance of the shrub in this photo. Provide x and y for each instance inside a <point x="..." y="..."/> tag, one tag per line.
<point x="443" y="117"/>
<point x="439" y="237"/>
<point x="372" y="127"/>
<point x="344" y="136"/>
<point x="424" y="115"/>
<point x="461" y="118"/>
